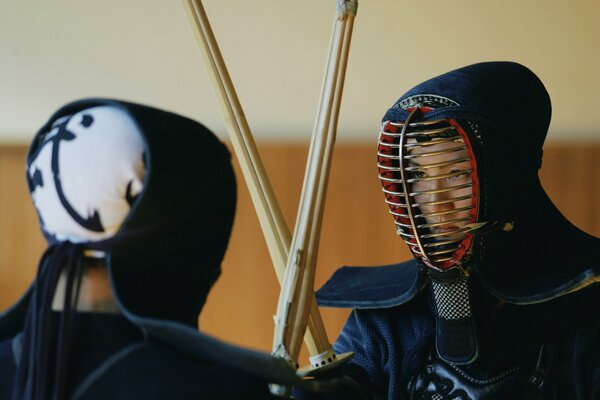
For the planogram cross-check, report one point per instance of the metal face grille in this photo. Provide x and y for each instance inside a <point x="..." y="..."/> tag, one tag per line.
<point x="429" y="179"/>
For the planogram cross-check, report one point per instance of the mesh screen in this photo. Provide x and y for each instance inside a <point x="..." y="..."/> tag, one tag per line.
<point x="452" y="299"/>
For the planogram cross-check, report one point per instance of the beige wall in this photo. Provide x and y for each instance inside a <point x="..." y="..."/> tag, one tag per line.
<point x="54" y="51"/>
<point x="357" y="230"/>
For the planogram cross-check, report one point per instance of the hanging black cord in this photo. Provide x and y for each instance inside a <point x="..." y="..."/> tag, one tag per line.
<point x="28" y="384"/>
<point x="74" y="271"/>
<point x="43" y="313"/>
<point x="32" y="380"/>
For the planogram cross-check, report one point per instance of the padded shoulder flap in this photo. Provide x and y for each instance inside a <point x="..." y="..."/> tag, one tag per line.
<point x="372" y="287"/>
<point x="153" y="372"/>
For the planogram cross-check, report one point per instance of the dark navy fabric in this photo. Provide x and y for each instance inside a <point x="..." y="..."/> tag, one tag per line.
<point x="96" y="337"/>
<point x="110" y="359"/>
<point x="534" y="287"/>
<point x="8" y="369"/>
<point x="152" y="372"/>
<point x="506" y="94"/>
<point x="388" y="345"/>
<point x="392" y="345"/>
<point x="372" y="287"/>
<point x="162" y="263"/>
<point x="168" y="251"/>
<point x="511" y="110"/>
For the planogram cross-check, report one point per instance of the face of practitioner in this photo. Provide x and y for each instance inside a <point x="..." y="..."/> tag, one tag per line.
<point x="443" y="183"/>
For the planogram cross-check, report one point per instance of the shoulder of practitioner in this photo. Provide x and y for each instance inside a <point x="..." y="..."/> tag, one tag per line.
<point x="160" y="240"/>
<point x="169" y="361"/>
<point x="189" y="365"/>
<point x="182" y="363"/>
<point x="373" y="287"/>
<point x="389" y="327"/>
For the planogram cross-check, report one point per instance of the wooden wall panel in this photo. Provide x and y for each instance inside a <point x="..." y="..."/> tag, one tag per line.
<point x="357" y="230"/>
<point x="21" y="243"/>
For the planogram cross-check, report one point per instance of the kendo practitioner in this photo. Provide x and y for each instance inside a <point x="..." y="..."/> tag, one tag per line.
<point x="499" y="301"/>
<point x="137" y="206"/>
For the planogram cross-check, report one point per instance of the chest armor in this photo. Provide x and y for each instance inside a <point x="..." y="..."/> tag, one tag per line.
<point x="439" y="380"/>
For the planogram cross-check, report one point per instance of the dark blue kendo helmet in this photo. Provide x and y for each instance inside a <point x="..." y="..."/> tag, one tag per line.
<point x="162" y="229"/>
<point x="167" y="252"/>
<point x="505" y="111"/>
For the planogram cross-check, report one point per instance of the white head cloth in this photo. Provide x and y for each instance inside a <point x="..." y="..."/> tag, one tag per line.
<point x="86" y="173"/>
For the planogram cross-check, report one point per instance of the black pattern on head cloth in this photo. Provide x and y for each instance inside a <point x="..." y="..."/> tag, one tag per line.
<point x="33" y="380"/>
<point x="91" y="222"/>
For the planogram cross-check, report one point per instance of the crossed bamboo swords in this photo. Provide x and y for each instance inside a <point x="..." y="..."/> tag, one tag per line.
<point x="294" y="257"/>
